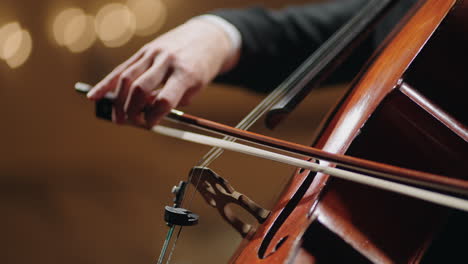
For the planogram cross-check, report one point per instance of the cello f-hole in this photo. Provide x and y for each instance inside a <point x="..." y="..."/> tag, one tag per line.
<point x="281" y="242"/>
<point x="264" y="250"/>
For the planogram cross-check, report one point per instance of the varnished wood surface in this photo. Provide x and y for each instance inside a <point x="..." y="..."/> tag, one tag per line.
<point x="383" y="220"/>
<point x="368" y="93"/>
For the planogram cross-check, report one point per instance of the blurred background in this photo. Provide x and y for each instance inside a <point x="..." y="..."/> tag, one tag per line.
<point x="74" y="189"/>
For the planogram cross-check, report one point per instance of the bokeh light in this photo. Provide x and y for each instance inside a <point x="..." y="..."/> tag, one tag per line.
<point x="115" y="24"/>
<point x="15" y="44"/>
<point x="62" y="20"/>
<point x="150" y="15"/>
<point x="79" y="33"/>
<point x="74" y="29"/>
<point x="9" y="33"/>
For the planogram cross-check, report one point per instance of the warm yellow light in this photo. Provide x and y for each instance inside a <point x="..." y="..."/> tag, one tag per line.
<point x="74" y="29"/>
<point x="5" y="33"/>
<point x="62" y="21"/>
<point x="79" y="33"/>
<point x="23" y="53"/>
<point x="150" y="15"/>
<point x="12" y="43"/>
<point x="115" y="24"/>
<point x="15" y="44"/>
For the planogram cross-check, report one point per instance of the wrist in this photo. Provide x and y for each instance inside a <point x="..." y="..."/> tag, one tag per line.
<point x="231" y="34"/>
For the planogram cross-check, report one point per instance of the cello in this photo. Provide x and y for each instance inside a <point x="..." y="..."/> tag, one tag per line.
<point x="385" y="118"/>
<point x="388" y="116"/>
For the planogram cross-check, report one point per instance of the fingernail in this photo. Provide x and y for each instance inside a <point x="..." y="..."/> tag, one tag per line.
<point x="91" y="94"/>
<point x="133" y="99"/>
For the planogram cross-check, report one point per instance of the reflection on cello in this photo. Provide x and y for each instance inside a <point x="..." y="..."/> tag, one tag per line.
<point x="402" y="109"/>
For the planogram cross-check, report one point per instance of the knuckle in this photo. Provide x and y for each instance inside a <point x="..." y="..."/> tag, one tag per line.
<point x="166" y="56"/>
<point x="119" y="68"/>
<point x="129" y="75"/>
<point x="134" y="89"/>
<point x="167" y="104"/>
<point x="152" y="52"/>
<point x="138" y="86"/>
<point x="170" y="55"/>
<point x="146" y="48"/>
<point x="126" y="76"/>
<point x="192" y="77"/>
<point x="170" y="105"/>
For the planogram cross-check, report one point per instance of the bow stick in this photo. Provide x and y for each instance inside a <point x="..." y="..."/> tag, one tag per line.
<point x="458" y="186"/>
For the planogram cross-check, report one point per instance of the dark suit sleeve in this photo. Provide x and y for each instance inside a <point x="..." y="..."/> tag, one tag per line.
<point x="275" y="43"/>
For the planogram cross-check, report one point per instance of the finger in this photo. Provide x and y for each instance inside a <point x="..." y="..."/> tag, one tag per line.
<point x="149" y="108"/>
<point x="127" y="77"/>
<point x="139" y="121"/>
<point x="141" y="88"/>
<point x="188" y="96"/>
<point x="168" y="97"/>
<point x="155" y="113"/>
<point x="118" y="111"/>
<point x="161" y="107"/>
<point x="177" y="86"/>
<point x="154" y="94"/>
<point x="111" y="80"/>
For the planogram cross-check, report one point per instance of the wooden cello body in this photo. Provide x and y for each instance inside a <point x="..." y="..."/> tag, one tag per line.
<point x="405" y="109"/>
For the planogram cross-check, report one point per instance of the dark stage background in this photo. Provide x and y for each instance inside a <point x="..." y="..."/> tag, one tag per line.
<point x="74" y="189"/>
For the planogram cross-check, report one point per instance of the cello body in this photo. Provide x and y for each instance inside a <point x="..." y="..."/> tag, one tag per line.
<point x="404" y="109"/>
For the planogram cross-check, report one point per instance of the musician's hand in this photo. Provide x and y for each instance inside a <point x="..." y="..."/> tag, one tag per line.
<point x="167" y="72"/>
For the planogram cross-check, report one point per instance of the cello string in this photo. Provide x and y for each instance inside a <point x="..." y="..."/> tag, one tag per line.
<point x="166" y="244"/>
<point x="311" y="66"/>
<point x="170" y="232"/>
<point x="415" y="192"/>
<point x="174" y="245"/>
<point x="215" y="152"/>
<point x="423" y="179"/>
<point x="190" y="201"/>
<point x="306" y="71"/>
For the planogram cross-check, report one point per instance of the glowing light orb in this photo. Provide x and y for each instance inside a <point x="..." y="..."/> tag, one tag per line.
<point x="10" y="40"/>
<point x="79" y="33"/>
<point x="150" y="15"/>
<point x="74" y="29"/>
<point x="62" y="20"/>
<point x="115" y="25"/>
<point x="15" y="44"/>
